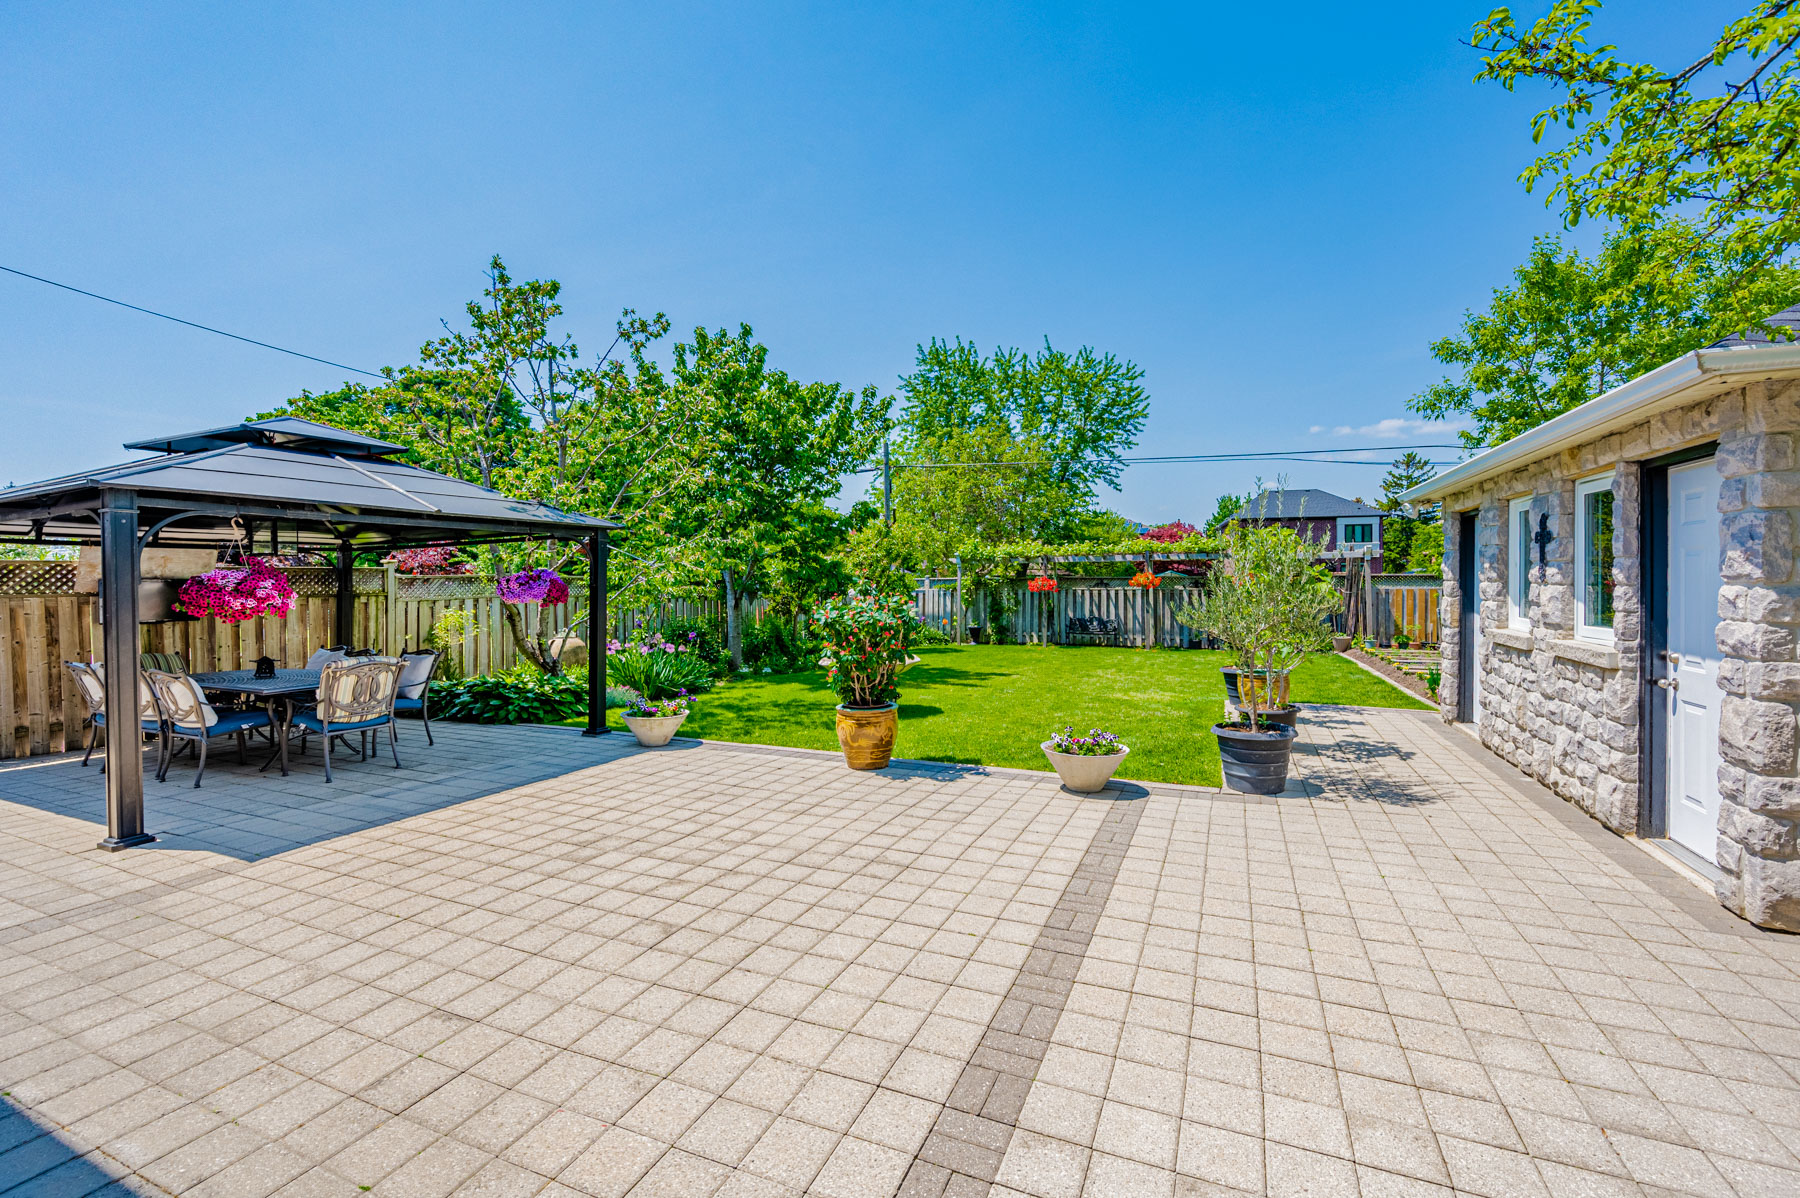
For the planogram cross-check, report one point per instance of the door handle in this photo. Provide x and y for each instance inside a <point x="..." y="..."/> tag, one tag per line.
<point x="1673" y="659"/>
<point x="1669" y="684"/>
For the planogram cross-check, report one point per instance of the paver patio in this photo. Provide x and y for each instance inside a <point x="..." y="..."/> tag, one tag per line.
<point x="533" y="963"/>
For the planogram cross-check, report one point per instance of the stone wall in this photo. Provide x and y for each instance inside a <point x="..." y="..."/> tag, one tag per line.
<point x="1570" y="712"/>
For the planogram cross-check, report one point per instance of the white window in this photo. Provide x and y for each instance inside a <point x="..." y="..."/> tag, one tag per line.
<point x="1358" y="532"/>
<point x="1594" y="558"/>
<point x="1518" y="563"/>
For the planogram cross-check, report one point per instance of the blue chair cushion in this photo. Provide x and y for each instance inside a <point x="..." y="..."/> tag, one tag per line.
<point x="149" y="725"/>
<point x="229" y="722"/>
<point x="409" y="705"/>
<point x="310" y="719"/>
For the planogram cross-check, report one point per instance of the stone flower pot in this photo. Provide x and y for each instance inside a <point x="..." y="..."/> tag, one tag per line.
<point x="1084" y="774"/>
<point x="1255" y="762"/>
<point x="1341" y="644"/>
<point x="653" y="731"/>
<point x="866" y="735"/>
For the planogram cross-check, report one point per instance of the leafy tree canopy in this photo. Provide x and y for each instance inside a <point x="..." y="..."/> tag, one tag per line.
<point x="1080" y="411"/>
<point x="1719" y="132"/>
<point x="1572" y="326"/>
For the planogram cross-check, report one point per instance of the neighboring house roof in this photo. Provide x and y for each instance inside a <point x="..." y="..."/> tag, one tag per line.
<point x="1787" y="318"/>
<point x="1307" y="502"/>
<point x="1702" y="374"/>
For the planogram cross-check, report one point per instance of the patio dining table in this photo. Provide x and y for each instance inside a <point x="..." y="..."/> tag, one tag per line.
<point x="283" y="690"/>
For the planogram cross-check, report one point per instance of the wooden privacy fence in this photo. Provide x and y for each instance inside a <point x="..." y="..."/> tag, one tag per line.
<point x="1144" y="617"/>
<point x="1405" y="603"/>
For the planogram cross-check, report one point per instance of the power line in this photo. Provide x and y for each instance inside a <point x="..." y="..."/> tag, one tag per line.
<point x="205" y="328"/>
<point x="1271" y="455"/>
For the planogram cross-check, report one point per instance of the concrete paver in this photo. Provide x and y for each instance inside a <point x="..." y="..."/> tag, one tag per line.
<point x="533" y="963"/>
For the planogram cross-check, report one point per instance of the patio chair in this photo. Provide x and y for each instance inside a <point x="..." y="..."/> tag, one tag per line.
<point x="354" y="696"/>
<point x="90" y="680"/>
<point x="323" y="657"/>
<point x="188" y="716"/>
<point x="168" y="663"/>
<point x="414" y="694"/>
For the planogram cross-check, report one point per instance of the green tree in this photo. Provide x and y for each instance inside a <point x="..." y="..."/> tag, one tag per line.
<point x="1427" y="556"/>
<point x="1720" y="133"/>
<point x="980" y="484"/>
<point x="1408" y="471"/>
<point x="1572" y="327"/>
<point x="1227" y="507"/>
<point x="769" y="451"/>
<point x="1079" y="411"/>
<point x="510" y="403"/>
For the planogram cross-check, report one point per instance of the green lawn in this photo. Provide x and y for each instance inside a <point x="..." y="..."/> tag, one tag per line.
<point x="993" y="705"/>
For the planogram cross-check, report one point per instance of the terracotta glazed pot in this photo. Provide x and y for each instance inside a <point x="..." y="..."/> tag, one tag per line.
<point x="653" y="731"/>
<point x="866" y="734"/>
<point x="1255" y="762"/>
<point x="1085" y="774"/>
<point x="1236" y="680"/>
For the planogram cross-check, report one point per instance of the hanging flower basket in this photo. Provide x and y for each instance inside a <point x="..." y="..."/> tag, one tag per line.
<point x="542" y="586"/>
<point x="1146" y="580"/>
<point x="233" y="594"/>
<point x="1042" y="585"/>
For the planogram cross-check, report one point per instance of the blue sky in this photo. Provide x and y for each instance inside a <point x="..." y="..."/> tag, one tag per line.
<point x="1272" y="211"/>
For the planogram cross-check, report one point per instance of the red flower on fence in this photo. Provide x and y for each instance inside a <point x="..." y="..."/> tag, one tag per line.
<point x="1041" y="585"/>
<point x="1146" y="580"/>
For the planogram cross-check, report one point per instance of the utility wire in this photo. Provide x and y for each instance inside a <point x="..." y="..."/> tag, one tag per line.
<point x="191" y="324"/>
<point x="1271" y="455"/>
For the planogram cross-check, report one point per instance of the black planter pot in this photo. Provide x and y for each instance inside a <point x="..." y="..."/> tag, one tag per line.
<point x="1289" y="715"/>
<point x="1255" y="762"/>
<point x="1231" y="689"/>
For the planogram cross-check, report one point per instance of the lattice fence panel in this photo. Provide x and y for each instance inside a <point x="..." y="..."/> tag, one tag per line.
<point x="37" y="578"/>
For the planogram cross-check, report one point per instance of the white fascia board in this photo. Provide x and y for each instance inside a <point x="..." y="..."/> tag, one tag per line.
<point x="1687" y="378"/>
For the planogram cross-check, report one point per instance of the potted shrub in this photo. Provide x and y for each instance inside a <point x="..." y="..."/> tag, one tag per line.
<point x="1085" y="763"/>
<point x="654" y="721"/>
<point x="1269" y="604"/>
<point x="865" y="642"/>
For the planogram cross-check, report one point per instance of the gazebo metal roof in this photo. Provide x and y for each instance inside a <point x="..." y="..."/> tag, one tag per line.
<point x="313" y="485"/>
<point x="296" y="484"/>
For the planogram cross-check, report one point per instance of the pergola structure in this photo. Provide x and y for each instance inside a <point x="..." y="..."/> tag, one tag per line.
<point x="295" y="486"/>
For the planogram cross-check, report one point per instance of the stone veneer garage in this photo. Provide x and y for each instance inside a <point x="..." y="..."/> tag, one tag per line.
<point x="1634" y="644"/>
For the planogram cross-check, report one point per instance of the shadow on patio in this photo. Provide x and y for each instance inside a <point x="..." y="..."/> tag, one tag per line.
<point x="241" y="812"/>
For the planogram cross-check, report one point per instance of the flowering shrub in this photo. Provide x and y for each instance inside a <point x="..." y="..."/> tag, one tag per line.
<point x="1145" y="579"/>
<point x="866" y="637"/>
<point x="232" y="594"/>
<point x="1096" y="743"/>
<point x="659" y="708"/>
<point x="1172" y="533"/>
<point x="436" y="559"/>
<point x="1041" y="585"/>
<point x="657" y="668"/>
<point x="542" y="586"/>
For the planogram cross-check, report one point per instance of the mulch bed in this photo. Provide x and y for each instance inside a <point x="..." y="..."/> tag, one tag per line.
<point x="1400" y="678"/>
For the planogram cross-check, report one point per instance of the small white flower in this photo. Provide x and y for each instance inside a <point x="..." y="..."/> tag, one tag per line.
<point x="767" y="670"/>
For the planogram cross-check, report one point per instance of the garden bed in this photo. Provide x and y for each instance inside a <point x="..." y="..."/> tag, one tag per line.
<point x="1393" y="672"/>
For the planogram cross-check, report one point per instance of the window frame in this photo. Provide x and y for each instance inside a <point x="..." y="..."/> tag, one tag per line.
<point x="1585" y="487"/>
<point x="1518" y="565"/>
<point x="1374" y="523"/>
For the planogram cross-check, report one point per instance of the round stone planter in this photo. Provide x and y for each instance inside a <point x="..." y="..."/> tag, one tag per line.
<point x="1084" y="774"/>
<point x="866" y="735"/>
<point x="1255" y="762"/>
<point x="1341" y="644"/>
<point x="653" y="731"/>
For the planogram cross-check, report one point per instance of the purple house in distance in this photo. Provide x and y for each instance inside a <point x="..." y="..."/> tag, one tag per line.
<point x="1346" y="526"/>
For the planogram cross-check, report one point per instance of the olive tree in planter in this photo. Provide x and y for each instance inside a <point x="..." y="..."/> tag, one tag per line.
<point x="1269" y="604"/>
<point x="865" y="650"/>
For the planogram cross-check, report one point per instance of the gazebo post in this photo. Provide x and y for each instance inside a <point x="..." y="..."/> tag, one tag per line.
<point x="344" y="618"/>
<point x="119" y="640"/>
<point x="598" y="548"/>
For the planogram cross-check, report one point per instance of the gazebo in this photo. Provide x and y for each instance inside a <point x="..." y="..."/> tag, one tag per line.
<point x="294" y="486"/>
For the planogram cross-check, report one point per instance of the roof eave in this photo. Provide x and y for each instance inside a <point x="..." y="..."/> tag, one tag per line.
<point x="1687" y="378"/>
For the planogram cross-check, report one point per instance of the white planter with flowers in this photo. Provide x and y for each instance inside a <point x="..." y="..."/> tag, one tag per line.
<point x="1085" y="763"/>
<point x="655" y="721"/>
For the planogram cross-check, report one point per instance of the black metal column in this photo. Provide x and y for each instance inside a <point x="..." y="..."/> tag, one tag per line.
<point x="344" y="621"/>
<point x="598" y="549"/>
<point x="119" y="643"/>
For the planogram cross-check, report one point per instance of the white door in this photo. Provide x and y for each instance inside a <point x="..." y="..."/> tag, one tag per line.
<point x="1688" y="680"/>
<point x="1473" y="631"/>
